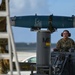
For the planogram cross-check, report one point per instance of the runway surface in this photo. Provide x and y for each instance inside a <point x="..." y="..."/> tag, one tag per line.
<point x="25" y="54"/>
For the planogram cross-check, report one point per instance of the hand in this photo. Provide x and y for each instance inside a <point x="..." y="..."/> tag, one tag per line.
<point x="55" y="49"/>
<point x="71" y="50"/>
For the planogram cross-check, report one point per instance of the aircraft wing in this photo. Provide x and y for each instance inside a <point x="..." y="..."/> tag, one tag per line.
<point x="43" y="21"/>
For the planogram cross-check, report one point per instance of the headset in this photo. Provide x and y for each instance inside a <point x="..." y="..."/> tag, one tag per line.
<point x="69" y="34"/>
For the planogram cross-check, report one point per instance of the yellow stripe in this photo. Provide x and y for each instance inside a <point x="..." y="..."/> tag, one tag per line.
<point x="47" y="43"/>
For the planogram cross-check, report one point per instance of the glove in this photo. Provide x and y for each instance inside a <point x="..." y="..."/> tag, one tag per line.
<point x="55" y="49"/>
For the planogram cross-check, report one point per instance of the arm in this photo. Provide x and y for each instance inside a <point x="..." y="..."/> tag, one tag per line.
<point x="2" y="6"/>
<point x="58" y="45"/>
<point x="72" y="46"/>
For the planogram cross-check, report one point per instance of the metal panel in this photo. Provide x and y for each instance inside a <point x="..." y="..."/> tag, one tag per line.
<point x="43" y="48"/>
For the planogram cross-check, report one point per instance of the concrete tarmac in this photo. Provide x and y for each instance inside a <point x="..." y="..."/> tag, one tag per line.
<point x="25" y="54"/>
<point x="22" y="55"/>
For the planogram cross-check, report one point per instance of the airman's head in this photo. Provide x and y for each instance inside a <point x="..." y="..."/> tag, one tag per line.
<point x="65" y="34"/>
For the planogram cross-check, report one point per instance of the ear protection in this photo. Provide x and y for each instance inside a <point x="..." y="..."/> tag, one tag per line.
<point x="69" y="34"/>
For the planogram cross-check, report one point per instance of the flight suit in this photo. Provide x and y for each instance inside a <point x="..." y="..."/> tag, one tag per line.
<point x="2" y="6"/>
<point x="2" y="19"/>
<point x="4" y="63"/>
<point x="65" y="45"/>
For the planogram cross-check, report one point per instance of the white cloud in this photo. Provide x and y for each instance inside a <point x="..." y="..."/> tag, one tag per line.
<point x="40" y="6"/>
<point x="16" y="6"/>
<point x="19" y="4"/>
<point x="24" y="7"/>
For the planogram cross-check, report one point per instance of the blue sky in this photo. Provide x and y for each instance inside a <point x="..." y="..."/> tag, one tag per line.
<point x="41" y="7"/>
